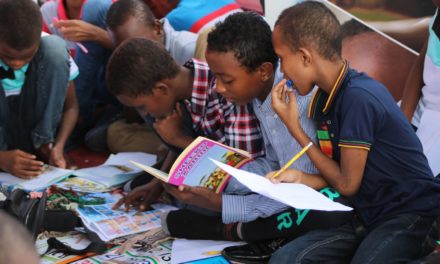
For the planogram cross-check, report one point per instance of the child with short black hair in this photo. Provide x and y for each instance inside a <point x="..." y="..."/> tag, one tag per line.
<point x="367" y="149"/>
<point x="133" y="18"/>
<point x="38" y="107"/>
<point x="241" y="55"/>
<point x="179" y="101"/>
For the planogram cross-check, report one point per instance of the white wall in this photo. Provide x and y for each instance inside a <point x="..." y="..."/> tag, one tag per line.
<point x="273" y="9"/>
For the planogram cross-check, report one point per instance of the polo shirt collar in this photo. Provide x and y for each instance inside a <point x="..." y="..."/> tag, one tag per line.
<point x="321" y="101"/>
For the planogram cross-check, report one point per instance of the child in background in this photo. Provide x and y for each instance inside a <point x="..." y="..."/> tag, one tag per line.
<point x="133" y="18"/>
<point x="193" y="15"/>
<point x="82" y="24"/>
<point x="38" y="107"/>
<point x="367" y="149"/>
<point x="422" y="89"/>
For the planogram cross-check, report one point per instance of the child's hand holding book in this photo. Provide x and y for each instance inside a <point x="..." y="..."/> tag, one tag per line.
<point x="196" y="195"/>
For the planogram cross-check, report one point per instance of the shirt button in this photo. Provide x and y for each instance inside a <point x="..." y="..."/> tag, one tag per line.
<point x="275" y="116"/>
<point x="274" y="131"/>
<point x="329" y="122"/>
<point x="332" y="135"/>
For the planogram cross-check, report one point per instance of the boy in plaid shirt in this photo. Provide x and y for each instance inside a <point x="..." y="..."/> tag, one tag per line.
<point x="180" y="102"/>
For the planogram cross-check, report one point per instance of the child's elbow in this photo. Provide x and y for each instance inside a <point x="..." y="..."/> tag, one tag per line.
<point x="347" y="189"/>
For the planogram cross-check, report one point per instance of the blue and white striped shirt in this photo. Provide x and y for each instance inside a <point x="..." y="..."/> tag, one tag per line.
<point x="239" y="203"/>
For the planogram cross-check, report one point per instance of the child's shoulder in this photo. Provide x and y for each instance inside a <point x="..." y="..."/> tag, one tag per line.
<point x="360" y="84"/>
<point x="361" y="89"/>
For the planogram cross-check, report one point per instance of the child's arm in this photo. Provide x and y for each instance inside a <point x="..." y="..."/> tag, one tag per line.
<point x="143" y="196"/>
<point x="78" y="31"/>
<point x="171" y="129"/>
<point x="413" y="86"/>
<point x="314" y="181"/>
<point x="346" y="177"/>
<point x="68" y="121"/>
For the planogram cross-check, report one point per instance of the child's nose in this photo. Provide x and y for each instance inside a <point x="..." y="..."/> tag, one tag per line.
<point x="219" y="88"/>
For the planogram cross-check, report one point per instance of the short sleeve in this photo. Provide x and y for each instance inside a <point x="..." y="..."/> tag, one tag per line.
<point x="74" y="71"/>
<point x="361" y="115"/>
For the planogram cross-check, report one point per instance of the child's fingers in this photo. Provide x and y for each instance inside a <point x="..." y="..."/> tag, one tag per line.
<point x="292" y="97"/>
<point x="178" y="110"/>
<point x="30" y="165"/>
<point x="64" y="23"/>
<point x="27" y="174"/>
<point x="118" y="203"/>
<point x="279" y="92"/>
<point x="279" y="87"/>
<point x="25" y="155"/>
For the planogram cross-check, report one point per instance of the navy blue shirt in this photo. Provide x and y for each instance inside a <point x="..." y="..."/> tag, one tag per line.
<point x="361" y="113"/>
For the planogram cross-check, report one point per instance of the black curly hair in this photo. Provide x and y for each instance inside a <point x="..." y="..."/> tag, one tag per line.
<point x="21" y="23"/>
<point x="121" y="10"/>
<point x="311" y="23"/>
<point x="137" y="65"/>
<point x="247" y="35"/>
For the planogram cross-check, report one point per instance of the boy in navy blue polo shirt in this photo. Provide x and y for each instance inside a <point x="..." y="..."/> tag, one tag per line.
<point x="367" y="150"/>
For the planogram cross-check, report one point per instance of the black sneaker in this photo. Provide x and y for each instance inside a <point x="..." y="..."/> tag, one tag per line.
<point x="253" y="253"/>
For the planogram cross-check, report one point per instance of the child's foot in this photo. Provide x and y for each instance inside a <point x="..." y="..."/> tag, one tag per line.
<point x="253" y="253"/>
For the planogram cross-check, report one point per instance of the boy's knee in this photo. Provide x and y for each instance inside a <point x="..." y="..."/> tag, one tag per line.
<point x="53" y="51"/>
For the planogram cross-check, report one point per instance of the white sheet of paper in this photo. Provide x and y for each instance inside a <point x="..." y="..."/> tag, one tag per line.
<point x="109" y="174"/>
<point x="184" y="250"/>
<point x="123" y="158"/>
<point x="429" y="134"/>
<point x="50" y="176"/>
<point x="296" y="195"/>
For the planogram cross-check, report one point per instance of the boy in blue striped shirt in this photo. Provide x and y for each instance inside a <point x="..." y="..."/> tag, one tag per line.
<point x="241" y="55"/>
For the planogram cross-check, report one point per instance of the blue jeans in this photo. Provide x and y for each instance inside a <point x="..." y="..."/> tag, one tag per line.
<point x="90" y="84"/>
<point x="400" y="239"/>
<point x="31" y="118"/>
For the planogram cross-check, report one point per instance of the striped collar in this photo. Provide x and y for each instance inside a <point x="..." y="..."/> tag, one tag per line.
<point x="321" y="101"/>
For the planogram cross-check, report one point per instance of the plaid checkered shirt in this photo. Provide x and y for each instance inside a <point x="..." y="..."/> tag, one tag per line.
<point x="233" y="125"/>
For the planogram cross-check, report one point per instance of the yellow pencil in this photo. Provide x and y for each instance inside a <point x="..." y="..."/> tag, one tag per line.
<point x="290" y="162"/>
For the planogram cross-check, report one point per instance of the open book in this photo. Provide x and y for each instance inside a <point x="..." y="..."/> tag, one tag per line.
<point x="194" y="168"/>
<point x="117" y="169"/>
<point x="49" y="176"/>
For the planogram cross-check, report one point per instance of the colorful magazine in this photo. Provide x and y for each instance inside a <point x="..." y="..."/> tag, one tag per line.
<point x="193" y="167"/>
<point x="110" y="224"/>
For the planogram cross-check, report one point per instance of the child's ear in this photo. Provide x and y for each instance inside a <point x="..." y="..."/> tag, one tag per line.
<point x="266" y="71"/>
<point x="161" y="89"/>
<point x="306" y="56"/>
<point x="158" y="27"/>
